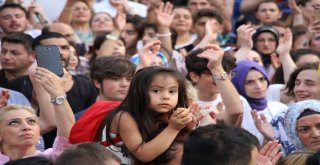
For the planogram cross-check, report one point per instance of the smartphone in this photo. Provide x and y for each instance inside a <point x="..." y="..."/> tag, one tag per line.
<point x="48" y="56"/>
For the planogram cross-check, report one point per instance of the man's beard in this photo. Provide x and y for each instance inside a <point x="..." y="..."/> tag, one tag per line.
<point x="65" y="62"/>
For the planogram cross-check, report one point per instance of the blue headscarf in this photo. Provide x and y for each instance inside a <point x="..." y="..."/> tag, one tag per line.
<point x="291" y="118"/>
<point x="241" y="72"/>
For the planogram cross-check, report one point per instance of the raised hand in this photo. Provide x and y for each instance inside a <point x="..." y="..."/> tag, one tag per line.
<point x="32" y="76"/>
<point x="212" y="28"/>
<point x="275" y="60"/>
<point x="263" y="125"/>
<point x="148" y="53"/>
<point x="50" y="82"/>
<point x="269" y="154"/>
<point x="35" y="8"/>
<point x="120" y="19"/>
<point x="294" y="7"/>
<point x="285" y="43"/>
<point x="180" y="118"/>
<point x="245" y="33"/>
<point x="213" y="53"/>
<point x="164" y="14"/>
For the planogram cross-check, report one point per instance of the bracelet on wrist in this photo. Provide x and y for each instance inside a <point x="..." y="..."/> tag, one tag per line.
<point x="111" y="37"/>
<point x="164" y="35"/>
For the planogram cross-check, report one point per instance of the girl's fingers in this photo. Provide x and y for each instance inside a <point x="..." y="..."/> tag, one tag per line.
<point x="177" y="112"/>
<point x="187" y="119"/>
<point x="183" y="114"/>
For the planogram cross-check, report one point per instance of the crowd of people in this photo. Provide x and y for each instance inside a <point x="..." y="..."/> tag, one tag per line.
<point x="226" y="82"/>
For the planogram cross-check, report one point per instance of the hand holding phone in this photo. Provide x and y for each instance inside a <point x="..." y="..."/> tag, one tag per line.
<point x="48" y="56"/>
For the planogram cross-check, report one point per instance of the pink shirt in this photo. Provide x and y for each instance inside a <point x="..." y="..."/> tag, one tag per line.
<point x="59" y="145"/>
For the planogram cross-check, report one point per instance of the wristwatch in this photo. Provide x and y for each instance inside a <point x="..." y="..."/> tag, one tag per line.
<point x="223" y="76"/>
<point x="58" y="100"/>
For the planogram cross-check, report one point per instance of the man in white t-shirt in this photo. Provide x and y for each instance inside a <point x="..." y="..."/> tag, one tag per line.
<point x="216" y="94"/>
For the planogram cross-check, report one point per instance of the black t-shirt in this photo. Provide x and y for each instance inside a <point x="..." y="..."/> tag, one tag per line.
<point x="3" y="80"/>
<point x="188" y="48"/>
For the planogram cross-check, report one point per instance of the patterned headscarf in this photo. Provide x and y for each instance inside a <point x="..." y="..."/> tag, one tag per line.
<point x="291" y="118"/>
<point x="240" y="75"/>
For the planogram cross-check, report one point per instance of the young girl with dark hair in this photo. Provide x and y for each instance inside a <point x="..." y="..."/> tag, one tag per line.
<point x="148" y="121"/>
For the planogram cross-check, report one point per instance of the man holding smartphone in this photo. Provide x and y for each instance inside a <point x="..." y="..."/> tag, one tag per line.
<point x="80" y="92"/>
<point x="52" y="38"/>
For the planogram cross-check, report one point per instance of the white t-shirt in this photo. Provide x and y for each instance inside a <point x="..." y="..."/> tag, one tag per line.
<point x="33" y="32"/>
<point x="247" y="121"/>
<point x="274" y="92"/>
<point x="192" y="39"/>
